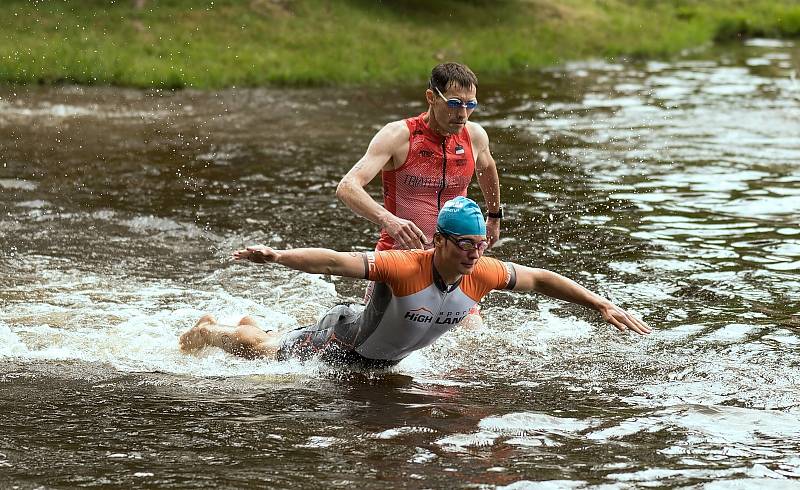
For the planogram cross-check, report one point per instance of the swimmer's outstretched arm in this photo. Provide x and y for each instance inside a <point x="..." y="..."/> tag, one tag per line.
<point x="557" y="286"/>
<point x="311" y="260"/>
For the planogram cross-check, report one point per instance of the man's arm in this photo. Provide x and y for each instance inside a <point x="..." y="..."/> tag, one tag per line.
<point x="311" y="260"/>
<point x="486" y="171"/>
<point x="557" y="286"/>
<point x="351" y="188"/>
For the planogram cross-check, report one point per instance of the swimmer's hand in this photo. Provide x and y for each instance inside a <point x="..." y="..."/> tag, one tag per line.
<point x="259" y="254"/>
<point x="405" y="233"/>
<point x="621" y="319"/>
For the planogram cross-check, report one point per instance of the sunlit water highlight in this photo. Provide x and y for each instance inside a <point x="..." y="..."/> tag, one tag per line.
<point x="672" y="188"/>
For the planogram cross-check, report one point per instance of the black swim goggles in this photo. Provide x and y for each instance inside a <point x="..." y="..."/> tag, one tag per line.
<point x="466" y="244"/>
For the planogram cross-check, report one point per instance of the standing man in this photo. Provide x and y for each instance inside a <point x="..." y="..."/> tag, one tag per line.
<point x="424" y="162"/>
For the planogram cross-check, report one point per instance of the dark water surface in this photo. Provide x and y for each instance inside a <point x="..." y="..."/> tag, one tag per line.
<point x="673" y="188"/>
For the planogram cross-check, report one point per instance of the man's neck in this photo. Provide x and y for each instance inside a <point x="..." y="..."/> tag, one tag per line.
<point x="448" y="276"/>
<point x="432" y="123"/>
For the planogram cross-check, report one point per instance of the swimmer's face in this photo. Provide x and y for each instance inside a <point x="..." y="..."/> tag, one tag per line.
<point x="450" y="118"/>
<point x="463" y="251"/>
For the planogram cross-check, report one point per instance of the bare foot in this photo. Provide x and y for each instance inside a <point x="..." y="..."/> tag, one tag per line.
<point x="207" y="318"/>
<point x="248" y="320"/>
<point x="198" y="336"/>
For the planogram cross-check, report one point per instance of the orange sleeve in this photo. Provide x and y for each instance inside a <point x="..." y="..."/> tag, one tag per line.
<point x="405" y="271"/>
<point x="383" y="266"/>
<point x="489" y="274"/>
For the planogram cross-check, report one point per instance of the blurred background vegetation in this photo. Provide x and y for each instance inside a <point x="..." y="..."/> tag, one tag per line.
<point x="209" y="44"/>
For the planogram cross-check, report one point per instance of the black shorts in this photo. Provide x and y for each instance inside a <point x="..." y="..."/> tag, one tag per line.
<point x="328" y="341"/>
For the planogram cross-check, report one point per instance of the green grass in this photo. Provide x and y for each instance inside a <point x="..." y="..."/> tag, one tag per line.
<point x="221" y="43"/>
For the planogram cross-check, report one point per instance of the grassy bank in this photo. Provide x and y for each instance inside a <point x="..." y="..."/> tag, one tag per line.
<point x="212" y="44"/>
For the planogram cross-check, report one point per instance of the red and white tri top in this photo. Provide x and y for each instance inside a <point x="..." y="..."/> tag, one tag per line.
<point x="436" y="169"/>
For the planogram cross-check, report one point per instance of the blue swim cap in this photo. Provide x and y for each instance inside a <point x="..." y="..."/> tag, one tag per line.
<point x="461" y="216"/>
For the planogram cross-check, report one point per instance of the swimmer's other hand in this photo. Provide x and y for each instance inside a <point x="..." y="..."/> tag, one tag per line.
<point x="623" y="320"/>
<point x="259" y="254"/>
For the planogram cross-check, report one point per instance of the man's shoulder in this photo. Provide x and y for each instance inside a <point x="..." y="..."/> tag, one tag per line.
<point x="394" y="133"/>
<point x="415" y="255"/>
<point x="485" y="261"/>
<point x="492" y="272"/>
<point x="397" y="127"/>
<point x="476" y="131"/>
<point x="488" y="266"/>
<point x="401" y="264"/>
<point x="406" y="258"/>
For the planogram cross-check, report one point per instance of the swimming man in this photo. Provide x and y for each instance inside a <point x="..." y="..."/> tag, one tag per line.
<point x="419" y="296"/>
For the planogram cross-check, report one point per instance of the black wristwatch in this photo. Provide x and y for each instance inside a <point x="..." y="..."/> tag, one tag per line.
<point x="497" y="215"/>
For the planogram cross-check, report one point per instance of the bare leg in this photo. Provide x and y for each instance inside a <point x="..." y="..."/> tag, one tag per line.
<point x="244" y="340"/>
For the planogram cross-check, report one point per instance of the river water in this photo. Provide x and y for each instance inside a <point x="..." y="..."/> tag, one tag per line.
<point x="671" y="187"/>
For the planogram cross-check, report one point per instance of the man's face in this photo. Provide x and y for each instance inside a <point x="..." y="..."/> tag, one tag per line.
<point x="454" y="253"/>
<point x="451" y="120"/>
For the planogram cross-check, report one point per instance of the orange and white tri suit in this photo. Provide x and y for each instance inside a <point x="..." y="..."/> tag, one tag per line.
<point x="410" y="308"/>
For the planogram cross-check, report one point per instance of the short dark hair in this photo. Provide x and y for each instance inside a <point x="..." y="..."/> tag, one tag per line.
<point x="446" y="74"/>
